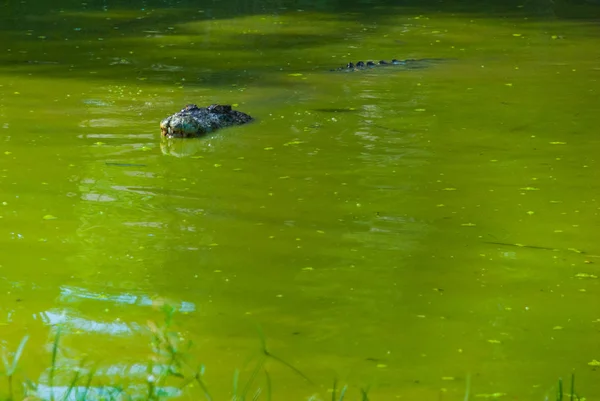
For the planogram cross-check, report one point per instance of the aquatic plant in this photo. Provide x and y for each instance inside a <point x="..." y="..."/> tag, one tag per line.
<point x="10" y="366"/>
<point x="170" y="366"/>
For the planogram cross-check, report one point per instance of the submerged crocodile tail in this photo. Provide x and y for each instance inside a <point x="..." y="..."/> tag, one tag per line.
<point x="409" y="63"/>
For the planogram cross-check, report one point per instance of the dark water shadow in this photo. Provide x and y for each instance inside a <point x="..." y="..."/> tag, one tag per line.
<point x="74" y="40"/>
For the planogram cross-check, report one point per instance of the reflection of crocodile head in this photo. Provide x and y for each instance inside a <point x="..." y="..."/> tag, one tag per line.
<point x="179" y="147"/>
<point x="193" y="121"/>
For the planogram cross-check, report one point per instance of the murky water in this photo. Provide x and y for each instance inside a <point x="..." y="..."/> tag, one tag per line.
<point x="394" y="228"/>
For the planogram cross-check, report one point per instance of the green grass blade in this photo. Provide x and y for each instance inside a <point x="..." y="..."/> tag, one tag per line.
<point x="468" y="387"/>
<point x="114" y="393"/>
<point x="18" y="354"/>
<point x="334" y="391"/>
<point x="10" y="387"/>
<point x="87" y="385"/>
<point x="364" y="394"/>
<point x="169" y="312"/>
<point x="262" y="338"/>
<point x="343" y="393"/>
<point x="572" y="395"/>
<point x="263" y="343"/>
<point x="297" y="371"/>
<point x="268" y="382"/>
<point x="53" y="367"/>
<point x="559" y="396"/>
<point x="198" y="378"/>
<point x="5" y="361"/>
<point x="255" y="372"/>
<point x="71" y="386"/>
<point x="236" y="383"/>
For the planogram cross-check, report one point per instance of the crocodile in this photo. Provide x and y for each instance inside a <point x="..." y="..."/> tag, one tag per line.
<point x="193" y="121"/>
<point x="410" y="63"/>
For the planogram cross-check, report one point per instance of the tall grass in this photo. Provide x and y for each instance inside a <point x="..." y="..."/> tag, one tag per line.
<point x="10" y="366"/>
<point x="170" y="365"/>
<point x="571" y="394"/>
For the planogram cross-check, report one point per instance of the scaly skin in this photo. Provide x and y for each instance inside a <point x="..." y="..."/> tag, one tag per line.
<point x="410" y="63"/>
<point x="194" y="121"/>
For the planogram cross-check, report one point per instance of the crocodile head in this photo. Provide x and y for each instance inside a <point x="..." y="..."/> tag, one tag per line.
<point x="193" y="121"/>
<point x="182" y="124"/>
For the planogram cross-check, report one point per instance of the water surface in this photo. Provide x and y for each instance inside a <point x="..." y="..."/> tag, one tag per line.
<point x="394" y="228"/>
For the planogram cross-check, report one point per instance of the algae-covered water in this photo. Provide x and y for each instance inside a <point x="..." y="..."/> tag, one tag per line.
<point x="401" y="229"/>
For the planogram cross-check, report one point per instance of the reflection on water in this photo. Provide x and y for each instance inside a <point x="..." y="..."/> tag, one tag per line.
<point x="73" y="294"/>
<point x="184" y="147"/>
<point x="68" y="393"/>
<point x="62" y="318"/>
<point x="361" y="221"/>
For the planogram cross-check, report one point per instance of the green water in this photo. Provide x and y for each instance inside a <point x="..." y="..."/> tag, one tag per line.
<point x="369" y="222"/>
